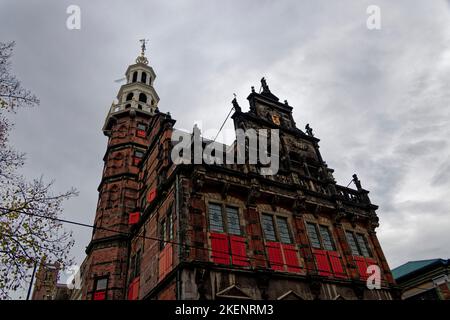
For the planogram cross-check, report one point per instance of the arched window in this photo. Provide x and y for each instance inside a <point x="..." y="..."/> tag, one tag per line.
<point x="144" y="77"/>
<point x="129" y="96"/>
<point x="135" y="76"/>
<point x="128" y="106"/>
<point x="143" y="98"/>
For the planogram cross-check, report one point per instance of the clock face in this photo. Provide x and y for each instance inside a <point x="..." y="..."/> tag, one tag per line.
<point x="276" y="119"/>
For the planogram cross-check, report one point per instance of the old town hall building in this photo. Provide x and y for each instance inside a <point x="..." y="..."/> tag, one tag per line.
<point x="209" y="231"/>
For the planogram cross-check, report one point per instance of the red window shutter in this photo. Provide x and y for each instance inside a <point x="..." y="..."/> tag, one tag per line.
<point x="136" y="161"/>
<point x="322" y="262"/>
<point x="220" y="250"/>
<point x="370" y="261"/>
<point x="133" y="289"/>
<point x="275" y="257"/>
<point x="362" y="267"/>
<point x="134" y="217"/>
<point x="165" y="260"/>
<point x="162" y="263"/>
<point x="169" y="257"/>
<point x="130" y="291"/>
<point x="141" y="133"/>
<point x="100" y="295"/>
<point x="291" y="258"/>
<point x="336" y="264"/>
<point x="239" y="251"/>
<point x="151" y="195"/>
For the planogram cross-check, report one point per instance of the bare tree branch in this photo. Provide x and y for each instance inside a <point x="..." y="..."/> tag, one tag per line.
<point x="25" y="236"/>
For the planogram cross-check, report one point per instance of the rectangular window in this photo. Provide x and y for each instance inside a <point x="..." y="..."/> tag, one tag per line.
<point x="352" y="243"/>
<point x="268" y="227"/>
<point x="132" y="266"/>
<point x="215" y="218"/>
<point x="137" y="269"/>
<point x="233" y="224"/>
<point x="138" y="155"/>
<point x="313" y="236"/>
<point x="362" y="244"/>
<point x="170" y="226"/>
<point x="101" y="284"/>
<point x="283" y="230"/>
<point x="225" y="235"/>
<point x="162" y="234"/>
<point x="141" y="130"/>
<point x="326" y="238"/>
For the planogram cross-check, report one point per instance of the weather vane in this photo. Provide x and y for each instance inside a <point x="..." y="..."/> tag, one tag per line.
<point x="143" y="47"/>
<point x="142" y="58"/>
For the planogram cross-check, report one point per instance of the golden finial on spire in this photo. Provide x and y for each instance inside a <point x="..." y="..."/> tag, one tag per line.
<point x="142" y="58"/>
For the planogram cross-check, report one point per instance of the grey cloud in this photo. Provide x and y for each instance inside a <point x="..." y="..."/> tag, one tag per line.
<point x="375" y="98"/>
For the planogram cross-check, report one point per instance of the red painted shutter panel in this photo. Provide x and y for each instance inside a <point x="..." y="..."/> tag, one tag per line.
<point x="291" y="258"/>
<point x="162" y="263"/>
<point x="133" y="289"/>
<point x="141" y="133"/>
<point x="100" y="295"/>
<point x="336" y="264"/>
<point x="165" y="260"/>
<point x="220" y="250"/>
<point x="169" y="257"/>
<point x="151" y="195"/>
<point x="370" y="261"/>
<point x="130" y="291"/>
<point x="133" y="218"/>
<point x="239" y="251"/>
<point x="322" y="262"/>
<point x="275" y="257"/>
<point x="362" y="267"/>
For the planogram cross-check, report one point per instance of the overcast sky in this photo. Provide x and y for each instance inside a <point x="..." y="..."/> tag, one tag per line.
<point x="377" y="99"/>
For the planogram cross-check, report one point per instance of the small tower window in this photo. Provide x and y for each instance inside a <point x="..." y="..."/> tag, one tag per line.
<point x="101" y="285"/>
<point x="128" y="106"/>
<point x="141" y="130"/>
<point x="130" y="96"/>
<point x="143" y="97"/>
<point x="138" y="155"/>
<point x="135" y="74"/>
<point x="144" y="77"/>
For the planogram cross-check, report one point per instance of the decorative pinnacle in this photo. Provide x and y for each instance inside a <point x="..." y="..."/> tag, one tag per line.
<point x="142" y="58"/>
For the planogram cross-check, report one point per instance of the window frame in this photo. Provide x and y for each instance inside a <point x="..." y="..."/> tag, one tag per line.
<point x="333" y="243"/>
<point x="166" y="228"/>
<point x="96" y="281"/>
<point x="276" y="227"/>
<point x="317" y="227"/>
<point x="224" y="217"/>
<point x="357" y="244"/>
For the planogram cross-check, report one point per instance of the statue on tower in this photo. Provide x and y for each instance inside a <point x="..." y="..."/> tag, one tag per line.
<point x="264" y="85"/>
<point x="309" y="130"/>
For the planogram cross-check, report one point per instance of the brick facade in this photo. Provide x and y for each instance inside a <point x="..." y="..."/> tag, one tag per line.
<point x="171" y="251"/>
